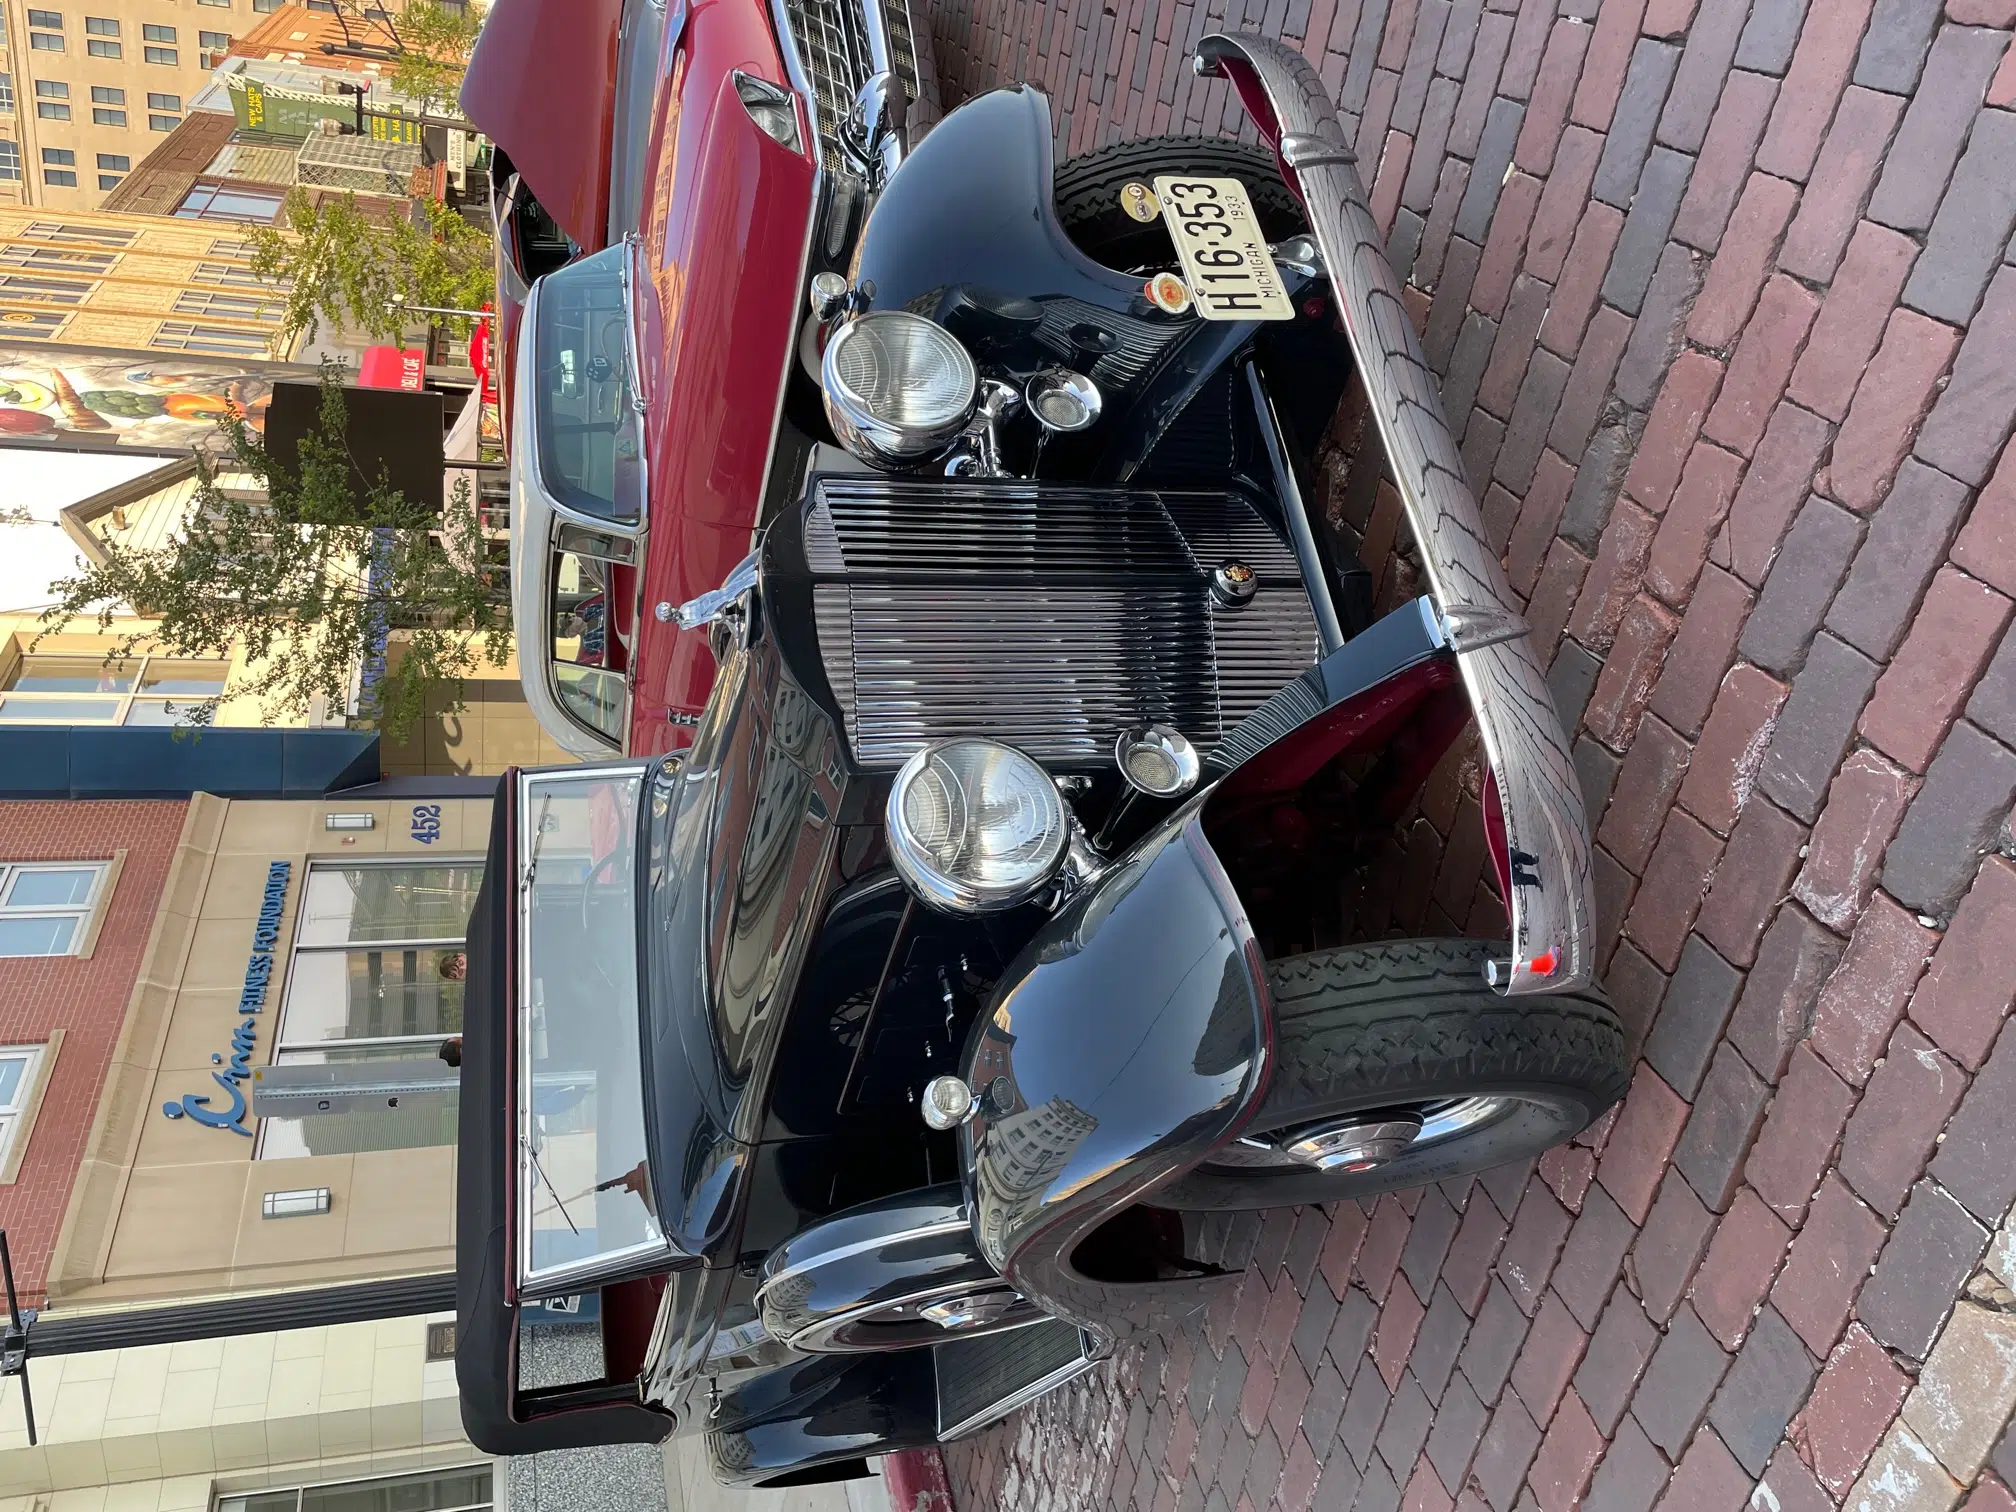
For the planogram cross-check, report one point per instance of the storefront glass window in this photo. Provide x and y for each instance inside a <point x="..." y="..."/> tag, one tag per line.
<point x="465" y="1489"/>
<point x="377" y="975"/>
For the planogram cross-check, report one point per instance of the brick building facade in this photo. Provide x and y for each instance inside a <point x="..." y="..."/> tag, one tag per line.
<point x="77" y="1000"/>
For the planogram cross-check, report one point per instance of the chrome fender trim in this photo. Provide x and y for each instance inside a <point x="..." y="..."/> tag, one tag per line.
<point x="1552" y="905"/>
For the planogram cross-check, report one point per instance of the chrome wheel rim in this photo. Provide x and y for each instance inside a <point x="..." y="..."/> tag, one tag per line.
<point x="1357" y="1142"/>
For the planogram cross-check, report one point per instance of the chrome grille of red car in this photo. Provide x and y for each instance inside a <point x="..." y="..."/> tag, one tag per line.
<point x="1047" y="616"/>
<point x="828" y="42"/>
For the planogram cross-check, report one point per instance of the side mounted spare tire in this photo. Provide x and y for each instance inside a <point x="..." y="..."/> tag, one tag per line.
<point x="1399" y="1066"/>
<point x="1087" y="193"/>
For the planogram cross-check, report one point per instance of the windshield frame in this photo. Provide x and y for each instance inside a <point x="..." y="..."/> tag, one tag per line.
<point x="526" y="1176"/>
<point x="634" y="406"/>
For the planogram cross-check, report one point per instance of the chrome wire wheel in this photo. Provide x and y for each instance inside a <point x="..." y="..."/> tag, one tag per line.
<point x="1362" y="1141"/>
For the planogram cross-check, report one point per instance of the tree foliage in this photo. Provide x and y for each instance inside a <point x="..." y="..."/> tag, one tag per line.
<point x="428" y="42"/>
<point x="311" y="582"/>
<point x="339" y="265"/>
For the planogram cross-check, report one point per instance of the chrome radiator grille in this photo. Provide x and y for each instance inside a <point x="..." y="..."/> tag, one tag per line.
<point x="829" y="39"/>
<point x="1049" y="617"/>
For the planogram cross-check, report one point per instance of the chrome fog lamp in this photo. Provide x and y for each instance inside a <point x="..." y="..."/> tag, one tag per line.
<point x="1158" y="761"/>
<point x="1063" y="400"/>
<point x="899" y="388"/>
<point x="770" y="107"/>
<point x="975" y="826"/>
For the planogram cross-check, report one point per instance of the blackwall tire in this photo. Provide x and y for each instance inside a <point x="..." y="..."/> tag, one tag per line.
<point x="1087" y="193"/>
<point x="1410" y="1025"/>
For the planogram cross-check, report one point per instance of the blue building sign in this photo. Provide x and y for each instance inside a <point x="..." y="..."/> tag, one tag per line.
<point x="251" y="1003"/>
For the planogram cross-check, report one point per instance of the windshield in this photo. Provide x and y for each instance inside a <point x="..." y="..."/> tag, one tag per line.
<point x="584" y="1189"/>
<point x="590" y="434"/>
<point x="590" y="690"/>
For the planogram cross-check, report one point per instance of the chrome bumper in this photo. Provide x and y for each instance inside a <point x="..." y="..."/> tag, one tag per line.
<point x="1551" y="904"/>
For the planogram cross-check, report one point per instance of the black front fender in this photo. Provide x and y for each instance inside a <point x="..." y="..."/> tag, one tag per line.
<point x="1128" y="1039"/>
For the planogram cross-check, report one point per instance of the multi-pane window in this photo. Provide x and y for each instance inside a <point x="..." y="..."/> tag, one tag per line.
<point x="53" y="20"/>
<point x="139" y="690"/>
<point x="155" y="33"/>
<point x="264" y="7"/>
<point x="45" y="41"/>
<point x="35" y="325"/>
<point x="225" y="341"/>
<point x="166" y="56"/>
<point x="111" y="180"/>
<point x="19" y="1067"/>
<point x="60" y="157"/>
<point x="225" y="306"/>
<point x="101" y="26"/>
<point x="51" y="89"/>
<point x="219" y="4"/>
<point x="99" y="47"/>
<point x="377" y="974"/>
<point x="26" y="289"/>
<point x="214" y="41"/>
<point x="163" y="122"/>
<point x="59" y="178"/>
<point x="115" y="162"/>
<point x="230" y="275"/>
<point x="163" y="101"/>
<point x="105" y="94"/>
<point x="104" y="115"/>
<point x="52" y="110"/>
<point x="6" y="91"/>
<point x="239" y="202"/>
<point x="70" y="231"/>
<point x="10" y="161"/>
<point x="58" y="258"/>
<point x="466" y="1489"/>
<point x="45" y="905"/>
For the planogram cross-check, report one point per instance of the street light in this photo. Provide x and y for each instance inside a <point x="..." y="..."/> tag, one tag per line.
<point x="397" y="303"/>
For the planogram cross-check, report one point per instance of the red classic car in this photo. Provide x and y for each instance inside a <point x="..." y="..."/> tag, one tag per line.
<point x="982" y="722"/>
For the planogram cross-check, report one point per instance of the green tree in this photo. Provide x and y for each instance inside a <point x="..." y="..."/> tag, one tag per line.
<point x="427" y="43"/>
<point x="340" y="265"/>
<point x="312" y="582"/>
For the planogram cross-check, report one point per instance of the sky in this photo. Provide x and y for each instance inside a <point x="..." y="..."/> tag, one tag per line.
<point x="34" y="555"/>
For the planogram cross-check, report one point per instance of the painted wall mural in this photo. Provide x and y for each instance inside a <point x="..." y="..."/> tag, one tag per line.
<point x="131" y="398"/>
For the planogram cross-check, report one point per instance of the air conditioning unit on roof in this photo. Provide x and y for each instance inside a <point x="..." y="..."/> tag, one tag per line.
<point x="358" y="164"/>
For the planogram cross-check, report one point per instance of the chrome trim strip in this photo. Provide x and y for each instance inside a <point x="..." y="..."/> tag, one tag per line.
<point x="1322" y="603"/>
<point x="1040" y="1387"/>
<point x="1552" y="905"/>
<point x="794" y="65"/>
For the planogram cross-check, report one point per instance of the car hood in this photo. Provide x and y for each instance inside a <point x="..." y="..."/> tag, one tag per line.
<point x="542" y="85"/>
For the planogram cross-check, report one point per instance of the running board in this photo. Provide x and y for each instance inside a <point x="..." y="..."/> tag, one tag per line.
<point x="981" y="1381"/>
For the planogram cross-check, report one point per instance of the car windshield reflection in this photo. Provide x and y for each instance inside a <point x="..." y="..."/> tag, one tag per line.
<point x="584" y="1186"/>
<point x="590" y="435"/>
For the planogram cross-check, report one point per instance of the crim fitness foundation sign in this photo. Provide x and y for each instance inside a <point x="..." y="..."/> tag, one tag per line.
<point x="251" y="1003"/>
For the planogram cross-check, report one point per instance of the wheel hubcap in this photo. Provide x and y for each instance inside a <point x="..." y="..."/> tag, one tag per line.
<point x="973" y="1310"/>
<point x="1361" y="1141"/>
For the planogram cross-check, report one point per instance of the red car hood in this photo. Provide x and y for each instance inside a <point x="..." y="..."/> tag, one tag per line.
<point x="542" y="85"/>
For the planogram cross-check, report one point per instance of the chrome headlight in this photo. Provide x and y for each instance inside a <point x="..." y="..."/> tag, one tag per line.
<point x="975" y="826"/>
<point x="899" y="388"/>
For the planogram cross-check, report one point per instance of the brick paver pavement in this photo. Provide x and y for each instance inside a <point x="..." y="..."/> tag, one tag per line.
<point x="1719" y="296"/>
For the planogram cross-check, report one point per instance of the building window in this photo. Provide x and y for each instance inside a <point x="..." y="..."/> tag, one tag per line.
<point x="44" y="906"/>
<point x="6" y="91"/>
<point x="59" y="178"/>
<point x="101" y="26"/>
<point x="377" y="974"/>
<point x="165" y="56"/>
<point x="141" y="690"/>
<point x="101" y="116"/>
<point x="51" y="89"/>
<point x="10" y="161"/>
<point x="264" y="7"/>
<point x="53" y="20"/>
<point x="163" y="123"/>
<point x="24" y="289"/>
<point x="230" y="275"/>
<point x="104" y="94"/>
<point x="110" y="180"/>
<point x="163" y="101"/>
<point x="115" y="162"/>
<point x="52" y="110"/>
<point x="465" y="1489"/>
<point x="219" y="4"/>
<point x="45" y="42"/>
<point x="60" y="157"/>
<point x="155" y="33"/>
<point x="33" y="325"/>
<point x="98" y="47"/>
<point x="67" y="231"/>
<point x="225" y="341"/>
<point x="214" y="41"/>
<point x="225" y="306"/>
<point x="57" y="259"/>
<point x="237" y="202"/>
<point x="20" y="1068"/>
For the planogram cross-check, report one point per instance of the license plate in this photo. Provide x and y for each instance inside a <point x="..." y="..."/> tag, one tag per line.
<point x="1225" y="258"/>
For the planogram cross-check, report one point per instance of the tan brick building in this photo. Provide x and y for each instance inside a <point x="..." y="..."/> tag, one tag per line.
<point x="93" y="85"/>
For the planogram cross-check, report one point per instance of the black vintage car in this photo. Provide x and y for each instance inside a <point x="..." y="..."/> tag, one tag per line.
<point x="874" y="1059"/>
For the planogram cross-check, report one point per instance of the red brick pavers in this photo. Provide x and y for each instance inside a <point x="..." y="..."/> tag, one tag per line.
<point x="1718" y="292"/>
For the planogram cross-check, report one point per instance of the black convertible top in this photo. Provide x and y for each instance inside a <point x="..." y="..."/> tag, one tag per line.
<point x="495" y="1415"/>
